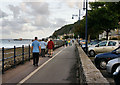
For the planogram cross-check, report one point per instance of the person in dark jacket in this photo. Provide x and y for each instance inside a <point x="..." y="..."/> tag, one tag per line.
<point x="50" y="47"/>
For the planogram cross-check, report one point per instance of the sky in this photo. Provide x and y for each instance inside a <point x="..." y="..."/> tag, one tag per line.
<point x="29" y="18"/>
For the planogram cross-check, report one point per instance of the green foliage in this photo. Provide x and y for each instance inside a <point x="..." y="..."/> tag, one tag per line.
<point x="63" y="30"/>
<point x="103" y="16"/>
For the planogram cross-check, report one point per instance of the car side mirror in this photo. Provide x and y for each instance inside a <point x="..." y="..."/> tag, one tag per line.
<point x="115" y="73"/>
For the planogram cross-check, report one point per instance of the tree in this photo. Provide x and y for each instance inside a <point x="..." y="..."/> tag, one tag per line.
<point x="101" y="18"/>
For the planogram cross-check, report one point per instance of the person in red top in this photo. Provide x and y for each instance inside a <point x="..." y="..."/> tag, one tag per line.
<point x="50" y="47"/>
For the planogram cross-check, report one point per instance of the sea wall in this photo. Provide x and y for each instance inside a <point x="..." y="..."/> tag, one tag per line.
<point x="88" y="73"/>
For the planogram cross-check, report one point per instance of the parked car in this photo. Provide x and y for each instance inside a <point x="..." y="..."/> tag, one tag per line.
<point x="91" y="43"/>
<point x="101" y="60"/>
<point x="103" y="46"/>
<point x="116" y="75"/>
<point x="81" y="42"/>
<point x="112" y="65"/>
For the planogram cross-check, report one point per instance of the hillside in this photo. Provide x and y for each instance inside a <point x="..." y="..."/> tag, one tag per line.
<point x="64" y="30"/>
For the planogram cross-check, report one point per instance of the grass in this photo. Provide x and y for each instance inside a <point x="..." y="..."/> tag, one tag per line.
<point x="9" y="57"/>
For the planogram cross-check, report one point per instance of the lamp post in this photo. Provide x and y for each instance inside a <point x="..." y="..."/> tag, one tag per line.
<point x="86" y="38"/>
<point x="77" y="16"/>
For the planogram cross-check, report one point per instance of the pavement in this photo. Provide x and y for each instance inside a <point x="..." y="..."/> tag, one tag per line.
<point x="61" y="68"/>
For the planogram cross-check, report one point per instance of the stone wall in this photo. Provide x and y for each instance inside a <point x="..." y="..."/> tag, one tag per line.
<point x="88" y="73"/>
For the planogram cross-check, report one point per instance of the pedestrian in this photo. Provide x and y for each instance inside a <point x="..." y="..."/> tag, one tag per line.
<point x="69" y="42"/>
<point x="43" y="45"/>
<point x="50" y="47"/>
<point x="36" y="49"/>
<point x="73" y="41"/>
<point x="66" y="43"/>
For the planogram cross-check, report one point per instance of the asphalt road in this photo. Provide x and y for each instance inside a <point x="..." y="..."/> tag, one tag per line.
<point x="61" y="69"/>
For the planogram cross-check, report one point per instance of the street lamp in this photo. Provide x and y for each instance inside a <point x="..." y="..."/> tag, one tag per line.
<point x="77" y="16"/>
<point x="86" y="38"/>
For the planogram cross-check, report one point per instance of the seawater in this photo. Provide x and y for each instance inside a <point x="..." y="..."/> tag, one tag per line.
<point x="10" y="43"/>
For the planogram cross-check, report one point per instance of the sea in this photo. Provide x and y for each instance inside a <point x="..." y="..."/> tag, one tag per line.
<point x="10" y="43"/>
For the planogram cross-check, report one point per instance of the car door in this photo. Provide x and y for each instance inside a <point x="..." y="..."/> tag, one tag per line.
<point x="101" y="45"/>
<point x="111" y="46"/>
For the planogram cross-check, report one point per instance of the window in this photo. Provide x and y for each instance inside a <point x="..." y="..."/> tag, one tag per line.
<point x="103" y="43"/>
<point x="111" y="43"/>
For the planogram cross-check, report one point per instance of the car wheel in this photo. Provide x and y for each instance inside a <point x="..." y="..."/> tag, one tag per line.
<point x="92" y="53"/>
<point x="102" y="64"/>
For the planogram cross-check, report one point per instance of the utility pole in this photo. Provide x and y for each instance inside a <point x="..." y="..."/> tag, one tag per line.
<point x="86" y="37"/>
<point x="78" y="17"/>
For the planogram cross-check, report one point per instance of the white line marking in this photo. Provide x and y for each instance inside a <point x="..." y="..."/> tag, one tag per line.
<point x="26" y="78"/>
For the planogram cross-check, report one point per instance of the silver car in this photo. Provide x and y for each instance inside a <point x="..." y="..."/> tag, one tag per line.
<point x="112" y="65"/>
<point x="103" y="46"/>
<point x="116" y="76"/>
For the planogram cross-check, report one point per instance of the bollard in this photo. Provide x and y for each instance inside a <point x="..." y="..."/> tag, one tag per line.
<point x="14" y="56"/>
<point x="22" y="54"/>
<point x="2" y="60"/>
<point x="29" y="52"/>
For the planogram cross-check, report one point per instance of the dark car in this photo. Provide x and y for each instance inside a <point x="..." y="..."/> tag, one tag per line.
<point x="101" y="60"/>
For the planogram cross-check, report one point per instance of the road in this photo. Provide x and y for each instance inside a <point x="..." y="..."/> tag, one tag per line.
<point x="59" y="69"/>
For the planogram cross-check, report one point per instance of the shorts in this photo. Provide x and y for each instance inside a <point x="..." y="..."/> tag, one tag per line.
<point x="50" y="50"/>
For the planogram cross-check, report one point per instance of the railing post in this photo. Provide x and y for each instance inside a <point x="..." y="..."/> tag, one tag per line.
<point x="22" y="54"/>
<point x="14" y="56"/>
<point x="29" y="52"/>
<point x="2" y="60"/>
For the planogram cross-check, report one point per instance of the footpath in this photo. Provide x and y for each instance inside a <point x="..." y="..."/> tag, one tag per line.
<point x="61" y="68"/>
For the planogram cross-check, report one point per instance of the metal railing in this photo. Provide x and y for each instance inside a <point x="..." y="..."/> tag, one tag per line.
<point x="12" y="57"/>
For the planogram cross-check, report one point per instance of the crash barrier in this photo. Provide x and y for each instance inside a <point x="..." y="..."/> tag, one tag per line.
<point x="18" y="55"/>
<point x="88" y="73"/>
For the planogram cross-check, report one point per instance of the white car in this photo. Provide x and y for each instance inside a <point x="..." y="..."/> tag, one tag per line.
<point x="103" y="46"/>
<point x="112" y="65"/>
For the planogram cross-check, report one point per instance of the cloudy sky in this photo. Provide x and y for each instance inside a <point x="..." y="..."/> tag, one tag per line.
<point x="29" y="18"/>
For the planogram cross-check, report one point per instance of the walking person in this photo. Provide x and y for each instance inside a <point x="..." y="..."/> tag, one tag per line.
<point x="43" y="45"/>
<point x="71" y="42"/>
<point x="66" y="43"/>
<point x="50" y="47"/>
<point x="36" y="49"/>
